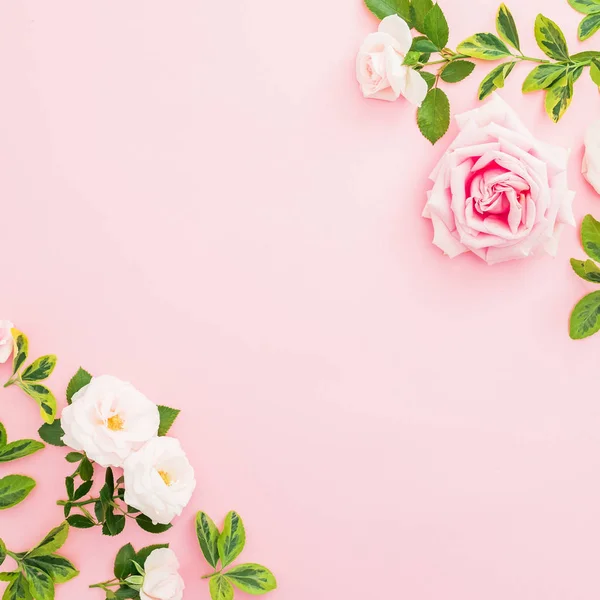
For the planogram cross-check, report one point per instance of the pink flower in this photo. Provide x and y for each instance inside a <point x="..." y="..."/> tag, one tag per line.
<point x="498" y="192"/>
<point x="6" y="340"/>
<point x="379" y="64"/>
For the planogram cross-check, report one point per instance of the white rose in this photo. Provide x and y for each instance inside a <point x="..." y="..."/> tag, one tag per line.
<point x="159" y="479"/>
<point x="591" y="159"/>
<point x="109" y="419"/>
<point x="162" y="581"/>
<point x="379" y="65"/>
<point x="6" y="340"/>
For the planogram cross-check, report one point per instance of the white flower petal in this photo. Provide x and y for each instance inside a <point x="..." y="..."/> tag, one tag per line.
<point x="399" y="30"/>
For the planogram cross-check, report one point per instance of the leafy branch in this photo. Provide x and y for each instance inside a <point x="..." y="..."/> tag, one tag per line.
<point x="220" y="549"/>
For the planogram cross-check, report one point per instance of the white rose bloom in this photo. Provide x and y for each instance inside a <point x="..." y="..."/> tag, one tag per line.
<point x="108" y="420"/>
<point x="591" y="159"/>
<point x="159" y="480"/>
<point x="162" y="580"/>
<point x="6" y="340"/>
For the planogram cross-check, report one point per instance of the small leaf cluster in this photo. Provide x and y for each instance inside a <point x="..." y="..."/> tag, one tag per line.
<point x="220" y="549"/>
<point x="585" y="318"/>
<point x="591" y="22"/>
<point x="15" y="488"/>
<point x="128" y="571"/>
<point x="107" y="510"/>
<point x="38" y="570"/>
<point x="28" y="378"/>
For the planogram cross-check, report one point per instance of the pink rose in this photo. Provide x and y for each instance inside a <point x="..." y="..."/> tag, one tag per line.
<point x="379" y="65"/>
<point x="498" y="192"/>
<point x="6" y="340"/>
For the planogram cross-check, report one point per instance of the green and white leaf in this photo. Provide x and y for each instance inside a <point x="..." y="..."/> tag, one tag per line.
<point x="385" y="8"/>
<point x="507" y="28"/>
<point x="78" y="381"/>
<point x="14" y="489"/>
<point x="495" y="79"/>
<point x="2" y="552"/>
<point x="485" y="46"/>
<point x="3" y="436"/>
<point x="586" y="6"/>
<point x="588" y="26"/>
<point x="19" y="449"/>
<point x="18" y="589"/>
<point x="44" y="397"/>
<point x="58" y="567"/>
<point x="40" y="369"/>
<point x="252" y="578"/>
<point x="419" y="11"/>
<point x="232" y="539"/>
<point x="585" y="56"/>
<point x="52" y="542"/>
<point x="208" y="538"/>
<point x="457" y="70"/>
<point x="559" y="96"/>
<point x="220" y="588"/>
<point x="167" y="418"/>
<point x="550" y="38"/>
<point x="590" y="237"/>
<point x="595" y="71"/>
<point x="436" y="27"/>
<point x="52" y="433"/>
<point x="433" y="116"/>
<point x="543" y="76"/>
<point x="585" y="318"/>
<point x="41" y="586"/>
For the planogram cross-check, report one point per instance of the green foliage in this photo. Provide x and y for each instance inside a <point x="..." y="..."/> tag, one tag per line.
<point x="456" y="71"/>
<point x="559" y="96"/>
<point x="232" y="539"/>
<point x="435" y="27"/>
<point x="40" y="569"/>
<point x="52" y="433"/>
<point x="21" y="348"/>
<point x="220" y="588"/>
<point x="433" y="116"/>
<point x="385" y="8"/>
<point x="507" y="28"/>
<point x="167" y="418"/>
<point x="588" y="26"/>
<point x="495" y="79"/>
<point x="585" y="318"/>
<point x="419" y="10"/>
<point x="586" y="269"/>
<point x="252" y="578"/>
<point x="485" y="46"/>
<point x="586" y="7"/>
<point x="595" y="71"/>
<point x="421" y="44"/>
<point x="590" y="237"/>
<point x="429" y="79"/>
<point x="208" y="537"/>
<point x="43" y="396"/>
<point x="543" y="76"/>
<point x="147" y="525"/>
<point x="14" y="489"/>
<point x="77" y="382"/>
<point x="18" y="449"/>
<point x="550" y="38"/>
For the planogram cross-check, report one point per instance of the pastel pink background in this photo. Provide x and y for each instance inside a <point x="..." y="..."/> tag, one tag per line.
<point x="196" y="198"/>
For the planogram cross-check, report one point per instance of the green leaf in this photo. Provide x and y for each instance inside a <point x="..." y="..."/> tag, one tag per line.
<point x="21" y="348"/>
<point x="421" y="44"/>
<point x="232" y="539"/>
<point x="86" y="469"/>
<point x="143" y="554"/>
<point x="59" y="568"/>
<point x="495" y="79"/>
<point x="429" y="78"/>
<point x="208" y="538"/>
<point x="78" y="381"/>
<point x="420" y="9"/>
<point x="167" y="418"/>
<point x="507" y="28"/>
<point x="40" y="369"/>
<point x="9" y="576"/>
<point x="146" y="524"/>
<point x="590" y="237"/>
<point x="385" y="8"/>
<point x="124" y="561"/>
<point x="585" y="318"/>
<point x="595" y="71"/>
<point x="2" y="552"/>
<point x="485" y="46"/>
<point x="99" y="511"/>
<point x="40" y="583"/>
<point x="543" y="77"/>
<point x="52" y="433"/>
<point x="74" y="457"/>
<point x="252" y="578"/>
<point x="126" y="592"/>
<point x="456" y="71"/>
<point x="576" y="71"/>
<point x="436" y="27"/>
<point x="433" y="116"/>
<point x="44" y="397"/>
<point x="3" y="436"/>
<point x="585" y="6"/>
<point x="113" y="524"/>
<point x="550" y="38"/>
<point x="80" y="522"/>
<point x="220" y="588"/>
<point x="14" y="489"/>
<point x="585" y="56"/>
<point x="19" y="449"/>
<point x="52" y="542"/>
<point x="82" y="490"/>
<point x="18" y="589"/>
<point x="70" y="487"/>
<point x="559" y="96"/>
<point x="588" y="26"/>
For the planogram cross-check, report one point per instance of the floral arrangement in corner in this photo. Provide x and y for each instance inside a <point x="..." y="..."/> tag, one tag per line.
<point x="393" y="63"/>
<point x="109" y="424"/>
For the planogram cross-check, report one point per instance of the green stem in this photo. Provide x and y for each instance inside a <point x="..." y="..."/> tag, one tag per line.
<point x="211" y="574"/>
<point x="107" y="584"/>
<point x="83" y="502"/>
<point x="531" y="59"/>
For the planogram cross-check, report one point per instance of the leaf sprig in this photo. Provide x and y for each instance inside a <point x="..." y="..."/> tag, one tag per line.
<point x="109" y="509"/>
<point x="28" y="379"/>
<point x="554" y="74"/>
<point x="585" y="318"/>
<point x="39" y="570"/>
<point x="220" y="549"/>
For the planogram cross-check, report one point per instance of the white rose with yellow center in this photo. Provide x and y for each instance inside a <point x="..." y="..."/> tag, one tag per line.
<point x="108" y="420"/>
<point x="159" y="480"/>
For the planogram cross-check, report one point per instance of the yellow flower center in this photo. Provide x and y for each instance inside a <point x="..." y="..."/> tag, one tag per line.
<point x="165" y="477"/>
<point x="115" y="423"/>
